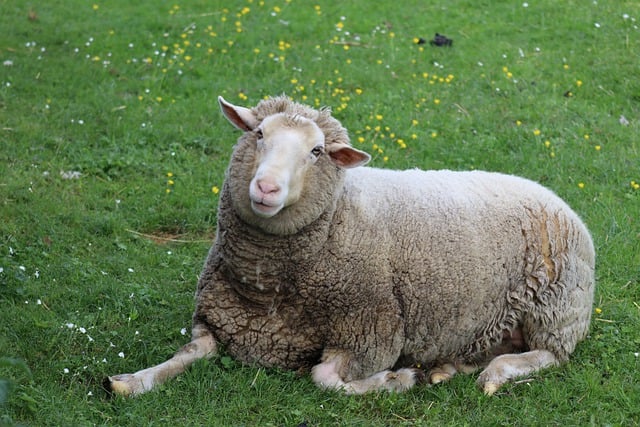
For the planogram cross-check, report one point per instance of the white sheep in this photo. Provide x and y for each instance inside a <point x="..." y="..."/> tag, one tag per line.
<point x="364" y="274"/>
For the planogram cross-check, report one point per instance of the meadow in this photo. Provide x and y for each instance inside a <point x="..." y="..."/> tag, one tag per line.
<point x="113" y="151"/>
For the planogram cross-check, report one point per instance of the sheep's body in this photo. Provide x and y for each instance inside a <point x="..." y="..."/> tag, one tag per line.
<point x="443" y="268"/>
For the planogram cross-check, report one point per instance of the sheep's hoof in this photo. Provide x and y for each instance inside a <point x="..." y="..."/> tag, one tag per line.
<point x="439" y="377"/>
<point x="442" y="373"/>
<point x="118" y="384"/>
<point x="489" y="388"/>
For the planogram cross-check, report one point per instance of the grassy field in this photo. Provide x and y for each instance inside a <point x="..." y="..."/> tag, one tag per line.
<point x="112" y="151"/>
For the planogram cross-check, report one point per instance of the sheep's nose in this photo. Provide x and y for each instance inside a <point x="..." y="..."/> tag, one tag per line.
<point x="268" y="188"/>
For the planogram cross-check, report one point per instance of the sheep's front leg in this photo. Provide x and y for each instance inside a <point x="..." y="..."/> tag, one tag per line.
<point x="327" y="375"/>
<point x="202" y="345"/>
<point x="506" y="367"/>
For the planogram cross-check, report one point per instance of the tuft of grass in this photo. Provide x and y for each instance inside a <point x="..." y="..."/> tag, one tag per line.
<point x="113" y="151"/>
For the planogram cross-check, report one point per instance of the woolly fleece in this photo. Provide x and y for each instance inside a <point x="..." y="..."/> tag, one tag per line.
<point x="392" y="267"/>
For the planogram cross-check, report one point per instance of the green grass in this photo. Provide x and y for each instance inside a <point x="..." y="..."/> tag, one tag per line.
<point x="125" y="93"/>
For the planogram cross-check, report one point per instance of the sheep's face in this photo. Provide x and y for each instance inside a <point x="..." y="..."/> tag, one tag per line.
<point x="286" y="169"/>
<point x="286" y="148"/>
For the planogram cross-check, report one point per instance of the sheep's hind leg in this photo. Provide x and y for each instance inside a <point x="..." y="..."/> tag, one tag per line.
<point x="512" y="341"/>
<point x="202" y="345"/>
<point x="326" y="375"/>
<point x="507" y="367"/>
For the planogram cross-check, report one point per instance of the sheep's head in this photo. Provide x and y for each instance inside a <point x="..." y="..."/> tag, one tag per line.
<point x="289" y="161"/>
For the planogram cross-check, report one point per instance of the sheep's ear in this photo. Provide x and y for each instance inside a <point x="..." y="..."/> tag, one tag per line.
<point x="346" y="156"/>
<point x="240" y="117"/>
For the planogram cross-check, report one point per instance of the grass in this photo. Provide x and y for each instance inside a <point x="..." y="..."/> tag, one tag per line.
<point x="98" y="269"/>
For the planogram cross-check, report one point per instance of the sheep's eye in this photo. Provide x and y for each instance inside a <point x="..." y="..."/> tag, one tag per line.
<point x="259" y="133"/>
<point x="317" y="151"/>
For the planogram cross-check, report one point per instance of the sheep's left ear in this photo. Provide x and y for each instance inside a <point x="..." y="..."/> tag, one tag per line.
<point x="347" y="157"/>
<point x="240" y="117"/>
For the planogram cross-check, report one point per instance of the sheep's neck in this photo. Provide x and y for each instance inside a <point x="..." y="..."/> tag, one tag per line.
<point x="260" y="264"/>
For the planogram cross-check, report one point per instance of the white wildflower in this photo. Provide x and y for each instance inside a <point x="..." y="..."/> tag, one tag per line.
<point x="70" y="174"/>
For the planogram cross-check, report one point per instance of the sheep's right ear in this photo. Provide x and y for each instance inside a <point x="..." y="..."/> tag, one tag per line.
<point x="347" y="157"/>
<point x="240" y="117"/>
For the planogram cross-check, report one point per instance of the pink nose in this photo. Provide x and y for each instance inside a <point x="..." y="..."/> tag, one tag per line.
<point x="268" y="188"/>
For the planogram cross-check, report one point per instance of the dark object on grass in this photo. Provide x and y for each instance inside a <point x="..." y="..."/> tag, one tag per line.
<point x="441" y="40"/>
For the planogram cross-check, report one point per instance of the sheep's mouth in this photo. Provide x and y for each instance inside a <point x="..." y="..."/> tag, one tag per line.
<point x="263" y="209"/>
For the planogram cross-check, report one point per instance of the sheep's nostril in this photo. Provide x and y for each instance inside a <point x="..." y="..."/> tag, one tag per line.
<point x="268" y="188"/>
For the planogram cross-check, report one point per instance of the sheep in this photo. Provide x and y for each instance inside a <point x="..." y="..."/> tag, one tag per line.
<point x="375" y="279"/>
